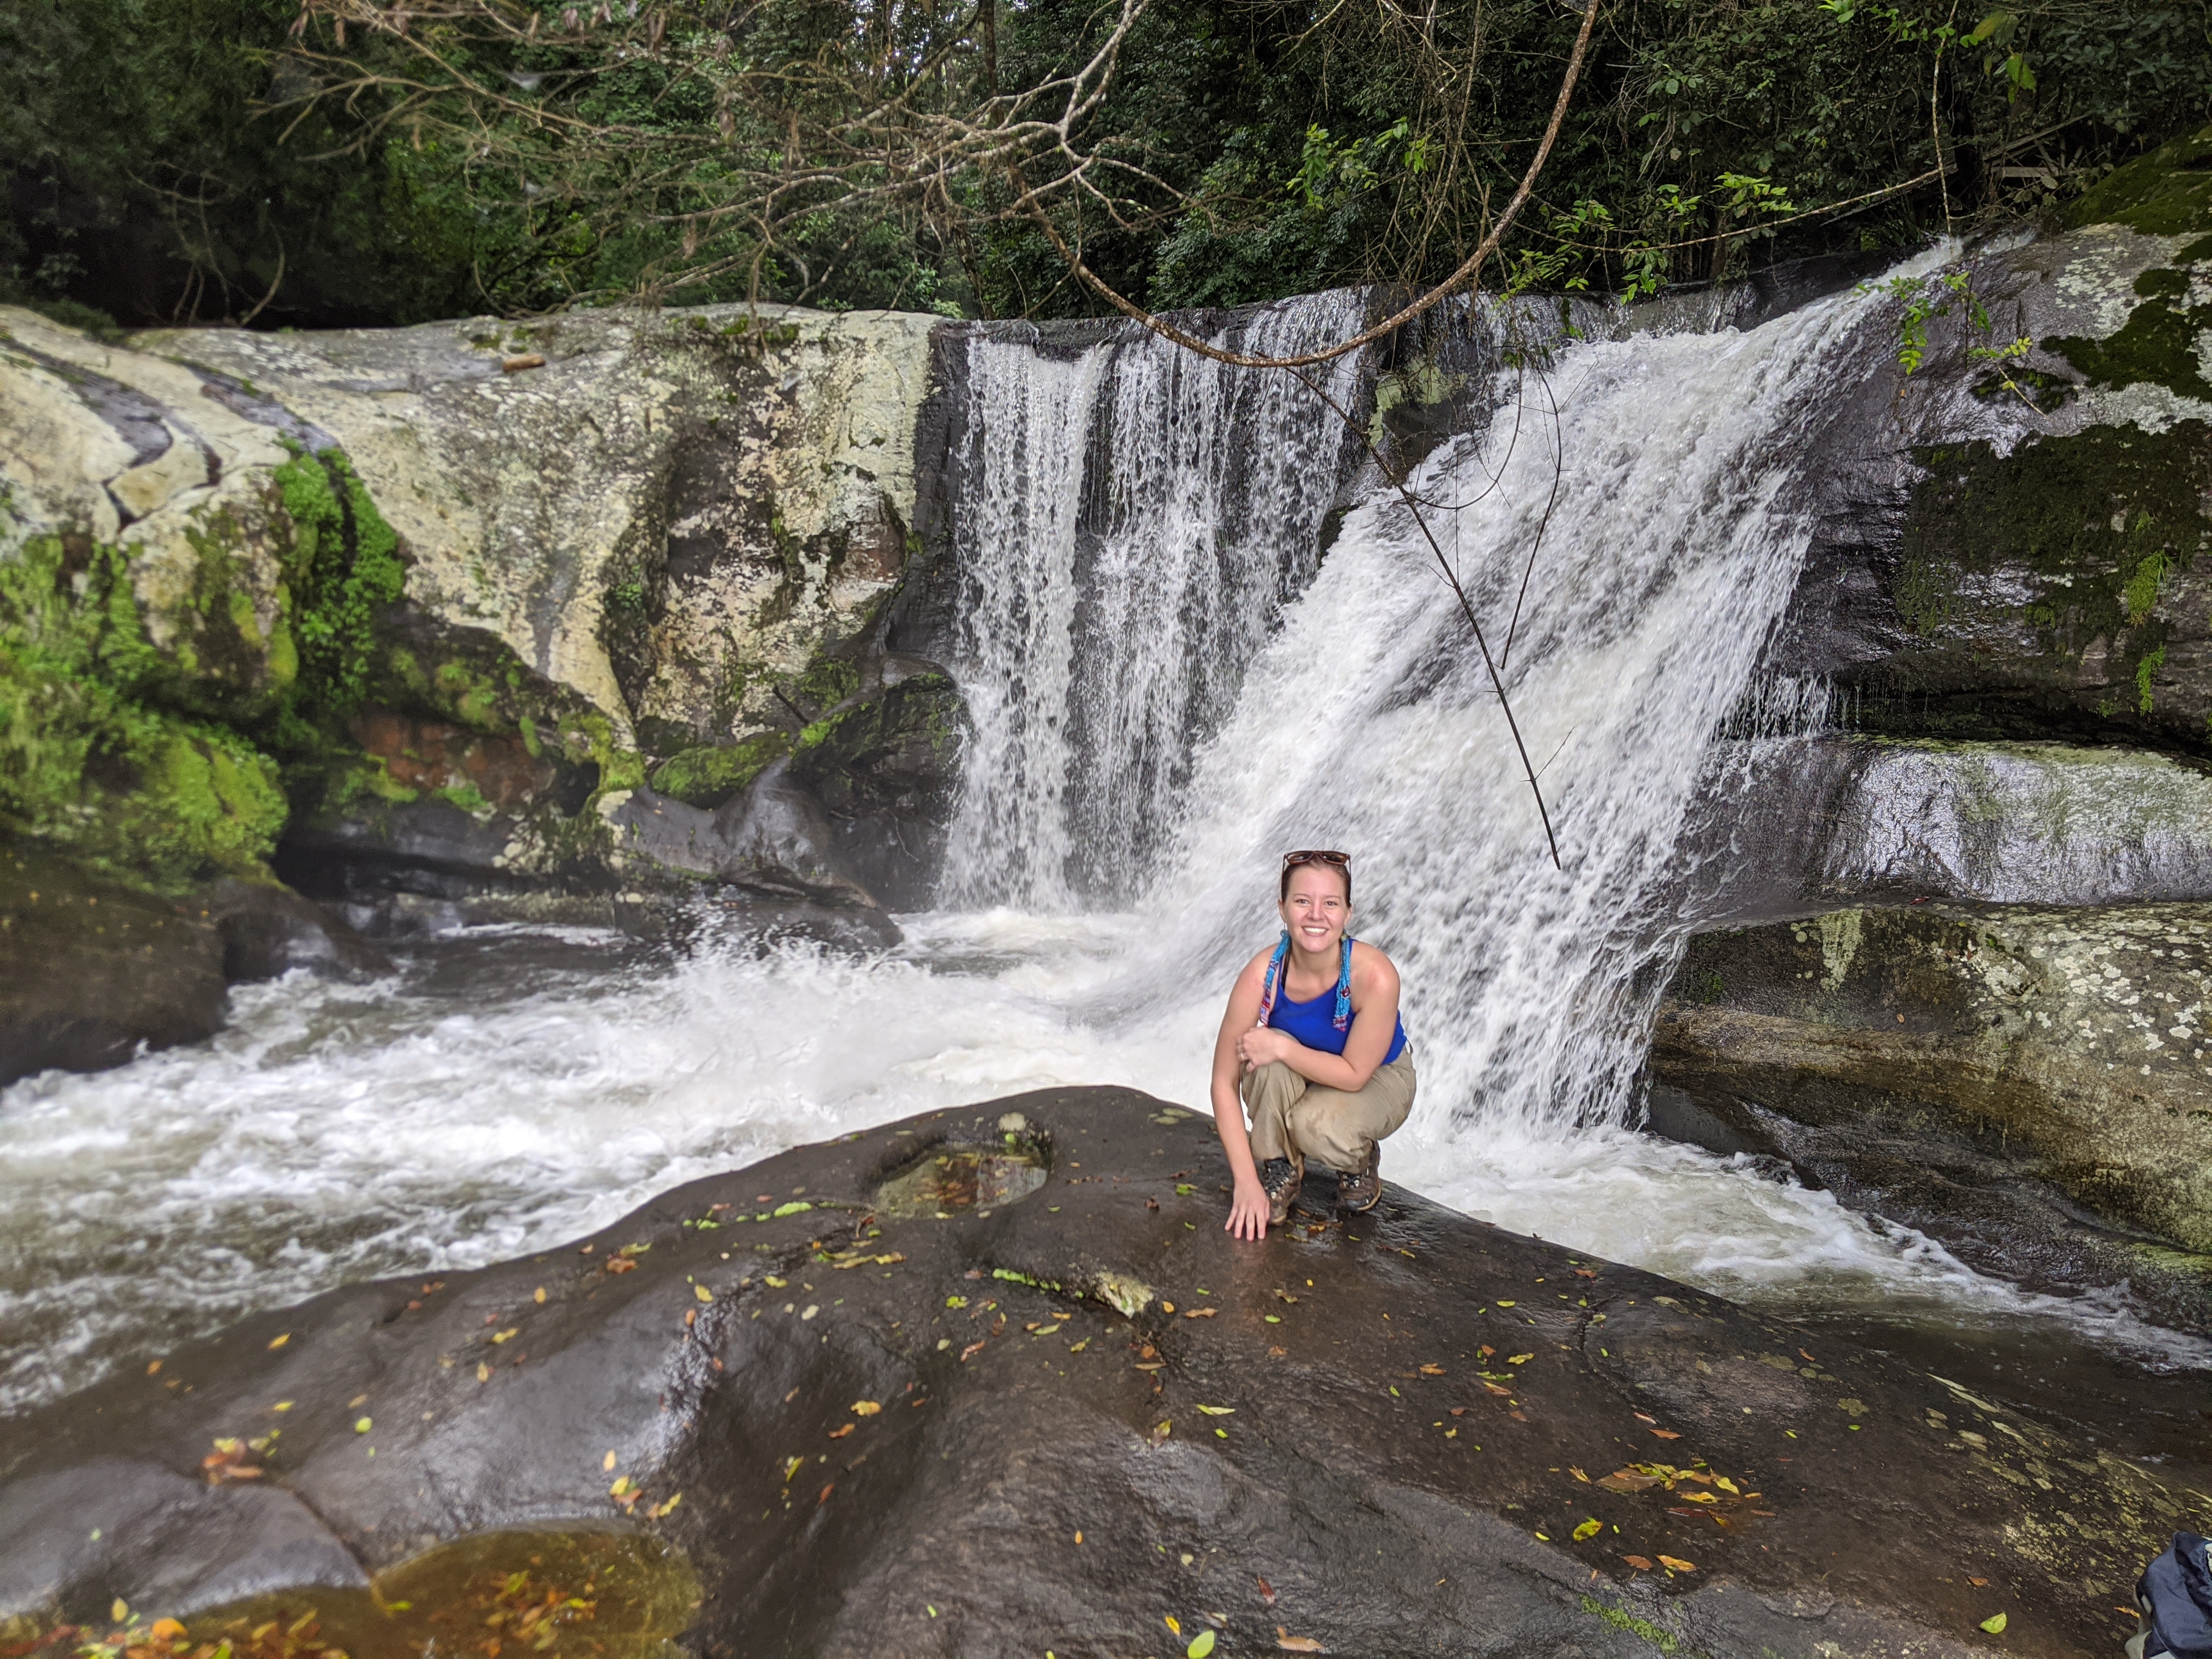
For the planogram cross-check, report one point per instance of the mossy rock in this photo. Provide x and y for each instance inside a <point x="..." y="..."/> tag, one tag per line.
<point x="2058" y="585"/>
<point x="707" y="777"/>
<point x="90" y="759"/>
<point x="2166" y="193"/>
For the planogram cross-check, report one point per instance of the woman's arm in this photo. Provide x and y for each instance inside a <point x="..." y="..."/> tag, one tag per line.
<point x="1374" y="1022"/>
<point x="1247" y="1209"/>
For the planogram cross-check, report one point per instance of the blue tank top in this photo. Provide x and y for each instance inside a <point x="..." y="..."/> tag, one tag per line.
<point x="1314" y="1024"/>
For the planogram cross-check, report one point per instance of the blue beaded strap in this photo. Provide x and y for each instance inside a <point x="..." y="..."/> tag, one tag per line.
<point x="1275" y="980"/>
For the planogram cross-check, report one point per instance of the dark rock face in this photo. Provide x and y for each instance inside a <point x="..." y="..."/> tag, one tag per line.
<point x="2029" y="1086"/>
<point x="2011" y="549"/>
<point x="89" y="969"/>
<point x="995" y="1380"/>
<point x="268" y="930"/>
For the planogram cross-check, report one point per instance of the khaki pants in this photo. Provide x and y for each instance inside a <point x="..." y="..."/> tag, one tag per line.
<point x="1293" y="1118"/>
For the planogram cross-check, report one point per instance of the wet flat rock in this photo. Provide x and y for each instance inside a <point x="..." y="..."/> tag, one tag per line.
<point x="891" y="1406"/>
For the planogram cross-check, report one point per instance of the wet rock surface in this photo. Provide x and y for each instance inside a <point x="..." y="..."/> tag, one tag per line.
<point x="2030" y="1085"/>
<point x="1792" y="824"/>
<point x="91" y="969"/>
<point x="887" y="1401"/>
<point x="2014" y="551"/>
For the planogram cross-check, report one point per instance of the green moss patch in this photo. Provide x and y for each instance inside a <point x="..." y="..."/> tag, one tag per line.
<point x="90" y="759"/>
<point x="2167" y="193"/>
<point x="2102" y="518"/>
<point x="2157" y="344"/>
<point x="709" y="776"/>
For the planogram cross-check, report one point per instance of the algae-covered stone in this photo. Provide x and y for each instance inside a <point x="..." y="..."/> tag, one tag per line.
<point x="708" y="776"/>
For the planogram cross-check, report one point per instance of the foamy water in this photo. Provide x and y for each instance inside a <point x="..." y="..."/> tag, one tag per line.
<point x="457" y="1114"/>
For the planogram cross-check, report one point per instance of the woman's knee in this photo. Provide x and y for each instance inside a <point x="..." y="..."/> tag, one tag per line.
<point x="1273" y="1084"/>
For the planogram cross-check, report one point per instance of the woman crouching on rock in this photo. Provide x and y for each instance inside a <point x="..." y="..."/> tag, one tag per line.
<point x="1312" y="1044"/>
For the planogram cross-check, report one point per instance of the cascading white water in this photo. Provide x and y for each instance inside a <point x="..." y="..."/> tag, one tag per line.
<point x="1368" y="723"/>
<point x="1134" y="521"/>
<point x="1162" y="686"/>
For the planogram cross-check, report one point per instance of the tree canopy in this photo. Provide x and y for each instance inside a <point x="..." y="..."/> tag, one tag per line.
<point x="320" y="162"/>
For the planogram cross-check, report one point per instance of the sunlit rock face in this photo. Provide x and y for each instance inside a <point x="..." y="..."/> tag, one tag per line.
<point x="666" y="511"/>
<point x="468" y="584"/>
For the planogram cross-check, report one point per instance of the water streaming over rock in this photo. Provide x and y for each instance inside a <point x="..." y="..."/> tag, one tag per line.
<point x="1674" y="535"/>
<point x="1168" y="680"/>
<point x="1130" y="522"/>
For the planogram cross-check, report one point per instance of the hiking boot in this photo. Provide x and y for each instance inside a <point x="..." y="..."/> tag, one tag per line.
<point x="1280" y="1179"/>
<point x="1359" y="1190"/>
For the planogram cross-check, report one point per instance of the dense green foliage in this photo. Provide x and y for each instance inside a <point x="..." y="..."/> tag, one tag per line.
<point x="1260" y="147"/>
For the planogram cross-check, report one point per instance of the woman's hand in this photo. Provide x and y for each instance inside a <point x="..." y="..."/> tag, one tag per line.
<point x="1262" y="1044"/>
<point x="1247" y="1210"/>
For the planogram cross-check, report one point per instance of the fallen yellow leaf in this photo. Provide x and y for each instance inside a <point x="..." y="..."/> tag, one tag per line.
<point x="538" y="1295"/>
<point x="166" y="1630"/>
<point x="119" y="1610"/>
<point x="702" y="1293"/>
<point x="280" y="1341"/>
<point x="609" y="1462"/>
<point x="1589" y="1528"/>
<point x="866" y="1407"/>
<point x="620" y="1486"/>
<point x="1676" y="1564"/>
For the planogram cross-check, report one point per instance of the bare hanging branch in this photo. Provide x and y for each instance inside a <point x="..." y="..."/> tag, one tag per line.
<point x="1466" y="274"/>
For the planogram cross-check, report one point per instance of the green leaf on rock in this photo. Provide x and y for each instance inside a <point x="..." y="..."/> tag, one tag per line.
<point x="1200" y="1645"/>
<point x="1994" y="1624"/>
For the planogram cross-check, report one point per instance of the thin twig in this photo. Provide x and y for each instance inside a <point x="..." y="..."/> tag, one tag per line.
<point x="1559" y="466"/>
<point x="1466" y="605"/>
<point x="1388" y="325"/>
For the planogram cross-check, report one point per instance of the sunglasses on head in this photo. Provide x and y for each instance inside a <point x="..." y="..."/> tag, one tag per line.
<point x="1318" y="855"/>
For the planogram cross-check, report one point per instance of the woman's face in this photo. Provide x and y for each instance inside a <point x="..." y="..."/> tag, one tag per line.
<point x="1315" y="910"/>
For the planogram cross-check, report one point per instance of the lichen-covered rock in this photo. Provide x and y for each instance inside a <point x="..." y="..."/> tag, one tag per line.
<point x="669" y="513"/>
<point x="2033" y="1085"/>
<point x="2011" y="533"/>
<point x="421" y="600"/>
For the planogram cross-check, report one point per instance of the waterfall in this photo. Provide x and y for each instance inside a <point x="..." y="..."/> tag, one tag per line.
<point x="1130" y="522"/>
<point x="1358" y="714"/>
